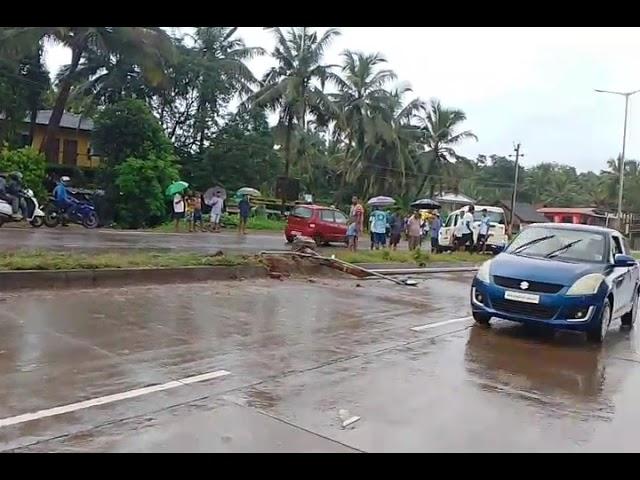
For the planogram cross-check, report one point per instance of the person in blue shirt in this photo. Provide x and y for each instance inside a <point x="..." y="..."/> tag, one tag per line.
<point x="244" y="206"/>
<point x="62" y="199"/>
<point x="379" y="228"/>
<point x="436" y="224"/>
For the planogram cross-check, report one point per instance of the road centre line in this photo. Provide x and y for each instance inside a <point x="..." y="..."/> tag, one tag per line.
<point x="72" y="407"/>
<point x="439" y="324"/>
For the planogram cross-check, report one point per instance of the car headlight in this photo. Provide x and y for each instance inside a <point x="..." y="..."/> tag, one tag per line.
<point x="587" y="285"/>
<point x="483" y="272"/>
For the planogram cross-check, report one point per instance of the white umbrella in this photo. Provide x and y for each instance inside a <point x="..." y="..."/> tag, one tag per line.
<point x="381" y="201"/>
<point x="252" y="192"/>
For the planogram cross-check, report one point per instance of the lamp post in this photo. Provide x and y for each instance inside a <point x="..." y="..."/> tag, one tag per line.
<point x="626" y="96"/>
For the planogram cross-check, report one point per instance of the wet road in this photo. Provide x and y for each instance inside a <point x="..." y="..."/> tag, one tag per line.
<point x="115" y="240"/>
<point x="267" y="365"/>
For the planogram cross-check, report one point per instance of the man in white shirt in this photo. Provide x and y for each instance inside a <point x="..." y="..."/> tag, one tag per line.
<point x="217" y="204"/>
<point x="466" y="233"/>
<point x="178" y="209"/>
<point x="483" y="233"/>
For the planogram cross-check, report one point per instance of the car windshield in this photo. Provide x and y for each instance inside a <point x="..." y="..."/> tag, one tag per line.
<point x="494" y="217"/>
<point x="560" y="244"/>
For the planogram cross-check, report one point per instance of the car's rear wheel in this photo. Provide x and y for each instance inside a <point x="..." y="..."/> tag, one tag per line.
<point x="289" y="239"/>
<point x="481" y="318"/>
<point x="629" y="318"/>
<point x="599" y="329"/>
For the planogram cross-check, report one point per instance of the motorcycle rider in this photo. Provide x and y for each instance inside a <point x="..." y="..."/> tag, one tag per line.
<point x="14" y="192"/>
<point x="63" y="200"/>
<point x="10" y="199"/>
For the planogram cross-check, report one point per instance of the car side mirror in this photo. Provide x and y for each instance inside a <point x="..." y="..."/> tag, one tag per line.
<point x="499" y="248"/>
<point x="624" y="261"/>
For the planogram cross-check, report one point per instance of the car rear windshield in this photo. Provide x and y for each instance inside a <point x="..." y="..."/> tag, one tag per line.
<point x="494" y="217"/>
<point x="587" y="246"/>
<point x="302" y="212"/>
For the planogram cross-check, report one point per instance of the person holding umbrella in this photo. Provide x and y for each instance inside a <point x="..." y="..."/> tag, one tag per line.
<point x="175" y="191"/>
<point x="244" y="205"/>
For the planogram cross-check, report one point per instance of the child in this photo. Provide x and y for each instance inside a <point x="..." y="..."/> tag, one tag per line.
<point x="352" y="233"/>
<point x="189" y="212"/>
<point x="197" y="211"/>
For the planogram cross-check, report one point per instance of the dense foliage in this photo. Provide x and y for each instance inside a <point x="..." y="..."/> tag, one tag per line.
<point x="138" y="162"/>
<point x="30" y="163"/>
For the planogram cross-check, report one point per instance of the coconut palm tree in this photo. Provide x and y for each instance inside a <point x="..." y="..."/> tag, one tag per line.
<point x="147" y="47"/>
<point x="439" y="126"/>
<point x="389" y="150"/>
<point x="361" y="93"/>
<point x="221" y="58"/>
<point x="295" y="86"/>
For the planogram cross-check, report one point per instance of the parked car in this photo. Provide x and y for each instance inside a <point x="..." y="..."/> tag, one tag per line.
<point x="566" y="276"/>
<point x="323" y="224"/>
<point x="497" y="236"/>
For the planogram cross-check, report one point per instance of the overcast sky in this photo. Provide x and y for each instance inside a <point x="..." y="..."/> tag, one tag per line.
<point x="533" y="85"/>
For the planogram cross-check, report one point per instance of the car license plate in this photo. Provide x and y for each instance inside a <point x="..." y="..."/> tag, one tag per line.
<point x="295" y="233"/>
<point x="522" y="297"/>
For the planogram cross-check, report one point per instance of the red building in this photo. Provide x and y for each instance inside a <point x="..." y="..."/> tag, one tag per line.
<point x="581" y="215"/>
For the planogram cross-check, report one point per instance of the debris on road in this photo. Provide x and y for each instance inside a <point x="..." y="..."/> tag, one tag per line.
<point x="346" y="418"/>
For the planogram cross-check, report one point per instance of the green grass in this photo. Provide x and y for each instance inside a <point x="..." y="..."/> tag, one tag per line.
<point x="40" y="260"/>
<point x="416" y="257"/>
<point x="231" y="223"/>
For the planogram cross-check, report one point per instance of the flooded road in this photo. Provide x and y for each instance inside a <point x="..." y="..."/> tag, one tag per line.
<point x="268" y="365"/>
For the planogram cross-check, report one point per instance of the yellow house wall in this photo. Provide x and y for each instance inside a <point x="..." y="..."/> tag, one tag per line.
<point x="83" y="138"/>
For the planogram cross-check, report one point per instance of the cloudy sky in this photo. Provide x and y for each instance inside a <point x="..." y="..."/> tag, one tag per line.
<point x="532" y="85"/>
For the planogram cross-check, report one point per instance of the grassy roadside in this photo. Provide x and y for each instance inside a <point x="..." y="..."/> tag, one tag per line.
<point x="417" y="257"/>
<point x="231" y="224"/>
<point x="41" y="260"/>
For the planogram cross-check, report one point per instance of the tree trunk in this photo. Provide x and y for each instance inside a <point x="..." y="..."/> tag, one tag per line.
<point x="32" y="124"/>
<point x="61" y="99"/>
<point x="287" y="146"/>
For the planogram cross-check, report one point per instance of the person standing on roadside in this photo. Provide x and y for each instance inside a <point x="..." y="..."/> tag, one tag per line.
<point x="414" y="230"/>
<point x="396" y="227"/>
<point x="483" y="233"/>
<point x="436" y="224"/>
<point x="466" y="238"/>
<point x="379" y="228"/>
<point x="216" y="211"/>
<point x="357" y="214"/>
<point x="245" y="209"/>
<point x="178" y="209"/>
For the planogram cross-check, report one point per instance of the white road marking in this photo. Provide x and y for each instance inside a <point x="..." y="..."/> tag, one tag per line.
<point x="438" y="324"/>
<point x="72" y="407"/>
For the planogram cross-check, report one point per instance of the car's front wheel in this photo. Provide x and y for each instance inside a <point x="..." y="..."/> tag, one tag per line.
<point x="629" y="318"/>
<point x="481" y="318"/>
<point x="599" y="328"/>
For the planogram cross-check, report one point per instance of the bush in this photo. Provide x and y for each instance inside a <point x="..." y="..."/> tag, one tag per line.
<point x="141" y="185"/>
<point x="32" y="165"/>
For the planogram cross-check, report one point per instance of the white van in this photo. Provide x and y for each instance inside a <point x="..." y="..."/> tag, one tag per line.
<point x="497" y="232"/>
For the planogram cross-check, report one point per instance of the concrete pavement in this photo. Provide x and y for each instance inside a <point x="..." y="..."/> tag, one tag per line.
<point x="267" y="365"/>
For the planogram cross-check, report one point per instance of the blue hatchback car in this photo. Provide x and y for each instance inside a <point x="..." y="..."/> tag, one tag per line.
<point x="565" y="276"/>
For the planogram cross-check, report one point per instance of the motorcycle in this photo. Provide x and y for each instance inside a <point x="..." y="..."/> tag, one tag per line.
<point x="35" y="216"/>
<point x="84" y="214"/>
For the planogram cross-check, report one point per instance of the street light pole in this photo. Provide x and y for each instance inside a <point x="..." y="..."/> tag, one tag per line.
<point x="516" y="148"/>
<point x="626" y="96"/>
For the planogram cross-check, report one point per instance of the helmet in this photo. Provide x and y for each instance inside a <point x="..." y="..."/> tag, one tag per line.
<point x="16" y="175"/>
<point x="65" y="179"/>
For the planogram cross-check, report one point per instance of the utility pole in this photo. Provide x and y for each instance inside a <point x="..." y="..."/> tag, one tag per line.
<point x="626" y="96"/>
<point x="516" y="148"/>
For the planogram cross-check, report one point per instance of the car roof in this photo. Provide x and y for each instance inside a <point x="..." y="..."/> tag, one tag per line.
<point x="576" y="226"/>
<point x="479" y="208"/>
<point x="315" y="207"/>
